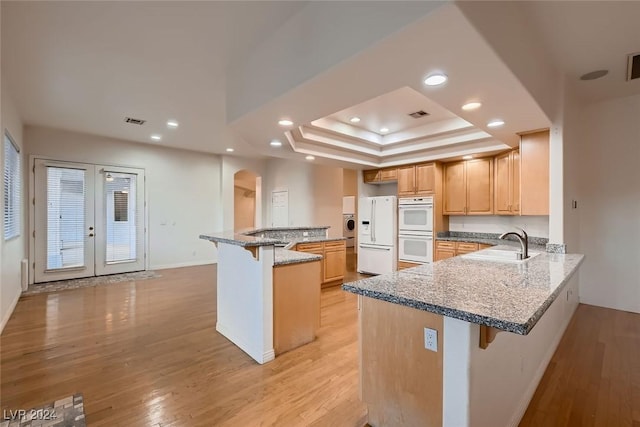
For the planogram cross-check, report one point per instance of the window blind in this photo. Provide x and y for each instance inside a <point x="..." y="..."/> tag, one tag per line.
<point x="12" y="185"/>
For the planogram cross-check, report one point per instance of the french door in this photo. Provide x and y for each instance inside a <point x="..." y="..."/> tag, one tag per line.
<point x="89" y="220"/>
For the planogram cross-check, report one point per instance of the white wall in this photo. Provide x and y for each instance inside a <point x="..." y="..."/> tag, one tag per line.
<point x="537" y="226"/>
<point x="315" y="193"/>
<point x="13" y="251"/>
<point x="230" y="166"/>
<point x="182" y="189"/>
<point x="609" y="204"/>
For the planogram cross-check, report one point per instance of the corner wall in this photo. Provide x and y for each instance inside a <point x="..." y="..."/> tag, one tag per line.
<point x="182" y="189"/>
<point x="13" y="251"/>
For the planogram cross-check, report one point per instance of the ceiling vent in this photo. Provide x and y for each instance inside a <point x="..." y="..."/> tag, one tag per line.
<point x="133" y="121"/>
<point x="418" y="114"/>
<point x="633" y="68"/>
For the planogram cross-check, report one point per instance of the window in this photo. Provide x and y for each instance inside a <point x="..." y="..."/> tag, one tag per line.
<point x="12" y="181"/>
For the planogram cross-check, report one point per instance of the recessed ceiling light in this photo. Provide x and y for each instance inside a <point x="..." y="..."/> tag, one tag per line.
<point x="435" y="79"/>
<point x="384" y="130"/>
<point x="471" y="106"/>
<point x="275" y="143"/>
<point x="310" y="157"/>
<point x="594" y="75"/>
<point x="285" y="122"/>
<point x="467" y="157"/>
<point x="229" y="150"/>
<point x="156" y="137"/>
<point x="354" y="119"/>
<point x="172" y="124"/>
<point x="495" y="123"/>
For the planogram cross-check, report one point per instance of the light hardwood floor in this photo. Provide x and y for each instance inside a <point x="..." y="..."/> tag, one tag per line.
<point x="147" y="354"/>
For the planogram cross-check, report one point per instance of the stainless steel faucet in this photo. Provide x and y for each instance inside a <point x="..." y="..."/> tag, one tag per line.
<point x="523" y="239"/>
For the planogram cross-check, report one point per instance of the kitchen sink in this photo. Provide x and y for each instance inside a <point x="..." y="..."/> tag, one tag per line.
<point x="499" y="255"/>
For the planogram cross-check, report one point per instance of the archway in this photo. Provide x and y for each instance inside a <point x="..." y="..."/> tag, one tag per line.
<point x="245" y="184"/>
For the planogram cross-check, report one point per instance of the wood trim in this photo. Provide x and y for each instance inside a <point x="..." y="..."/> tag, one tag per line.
<point x="487" y="335"/>
<point x="401" y="381"/>
<point x="296" y="305"/>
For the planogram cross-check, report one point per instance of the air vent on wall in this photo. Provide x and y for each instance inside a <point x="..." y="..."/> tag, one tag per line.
<point x="133" y="121"/>
<point x="418" y="114"/>
<point x="633" y="68"/>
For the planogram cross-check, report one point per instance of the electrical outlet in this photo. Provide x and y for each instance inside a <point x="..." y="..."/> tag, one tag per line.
<point x="431" y="339"/>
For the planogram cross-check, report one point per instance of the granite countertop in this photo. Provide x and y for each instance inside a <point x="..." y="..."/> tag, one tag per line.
<point x="487" y="238"/>
<point x="294" y="241"/>
<point x="252" y="231"/>
<point x="284" y="257"/>
<point x="506" y="296"/>
<point x="240" y="239"/>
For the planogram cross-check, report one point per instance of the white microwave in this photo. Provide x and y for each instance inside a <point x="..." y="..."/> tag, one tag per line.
<point x="415" y="214"/>
<point x="415" y="247"/>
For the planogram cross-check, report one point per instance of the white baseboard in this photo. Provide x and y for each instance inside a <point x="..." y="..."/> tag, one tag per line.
<point x="181" y="264"/>
<point x="257" y="355"/>
<point x="9" y="312"/>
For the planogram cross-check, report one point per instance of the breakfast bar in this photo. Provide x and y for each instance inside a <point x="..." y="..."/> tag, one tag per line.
<point x="462" y="339"/>
<point x="268" y="296"/>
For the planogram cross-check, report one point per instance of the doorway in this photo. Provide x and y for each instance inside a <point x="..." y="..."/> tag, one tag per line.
<point x="89" y="220"/>
<point x="244" y="200"/>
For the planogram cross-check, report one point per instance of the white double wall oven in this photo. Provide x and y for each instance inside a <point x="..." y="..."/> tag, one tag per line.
<point x="415" y="229"/>
<point x="87" y="220"/>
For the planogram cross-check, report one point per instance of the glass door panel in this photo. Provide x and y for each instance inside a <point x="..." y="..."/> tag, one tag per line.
<point x="64" y="221"/>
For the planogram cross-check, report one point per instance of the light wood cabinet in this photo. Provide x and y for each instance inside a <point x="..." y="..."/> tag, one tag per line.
<point x="468" y="187"/>
<point x="334" y="258"/>
<point x="448" y="249"/>
<point x="380" y="176"/>
<point x="534" y="173"/>
<point x="507" y="183"/>
<point x="416" y="179"/>
<point x="405" y="264"/>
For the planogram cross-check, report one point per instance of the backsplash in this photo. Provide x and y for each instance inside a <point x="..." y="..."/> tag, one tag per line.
<point x="534" y="225"/>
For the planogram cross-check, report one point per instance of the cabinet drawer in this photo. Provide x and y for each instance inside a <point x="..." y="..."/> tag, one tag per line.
<point x="483" y="246"/>
<point x="467" y="247"/>
<point x="338" y="244"/>
<point x="404" y="264"/>
<point x="306" y="247"/>
<point x="444" y="244"/>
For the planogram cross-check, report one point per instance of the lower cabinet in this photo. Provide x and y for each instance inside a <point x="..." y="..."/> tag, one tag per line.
<point x="334" y="259"/>
<point x="447" y="249"/>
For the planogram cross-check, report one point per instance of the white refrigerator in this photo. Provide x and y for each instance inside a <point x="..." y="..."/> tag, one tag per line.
<point x="377" y="234"/>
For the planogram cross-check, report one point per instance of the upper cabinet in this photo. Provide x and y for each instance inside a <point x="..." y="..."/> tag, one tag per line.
<point x="534" y="174"/>
<point x="468" y="187"/>
<point x="416" y="179"/>
<point x="380" y="176"/>
<point x="507" y="183"/>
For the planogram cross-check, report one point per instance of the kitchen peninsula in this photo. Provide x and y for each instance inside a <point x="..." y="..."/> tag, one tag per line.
<point x="479" y="316"/>
<point x="268" y="296"/>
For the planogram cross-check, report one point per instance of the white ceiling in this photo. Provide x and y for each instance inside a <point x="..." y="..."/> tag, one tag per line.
<point x="584" y="36"/>
<point x="84" y="66"/>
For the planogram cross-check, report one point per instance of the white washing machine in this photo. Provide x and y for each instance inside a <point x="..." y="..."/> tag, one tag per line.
<point x="349" y="229"/>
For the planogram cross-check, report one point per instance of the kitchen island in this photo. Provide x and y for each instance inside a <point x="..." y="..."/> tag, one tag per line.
<point x="268" y="297"/>
<point x="489" y="357"/>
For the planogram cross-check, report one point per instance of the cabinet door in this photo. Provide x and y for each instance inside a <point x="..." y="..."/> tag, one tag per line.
<point x="515" y="179"/>
<point x="444" y="254"/>
<point x="389" y="174"/>
<point x="454" y="189"/>
<point x="503" y="184"/>
<point x="371" y="175"/>
<point x="479" y="174"/>
<point x="334" y="264"/>
<point x="406" y="181"/>
<point x="534" y="155"/>
<point x="426" y="178"/>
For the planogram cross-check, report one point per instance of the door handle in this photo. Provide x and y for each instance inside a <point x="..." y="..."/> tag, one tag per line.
<point x="90" y="228"/>
<point x="90" y="234"/>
